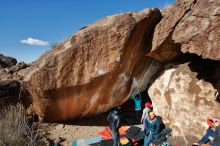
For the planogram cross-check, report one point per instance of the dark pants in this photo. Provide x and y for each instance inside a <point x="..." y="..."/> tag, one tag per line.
<point x="137" y="116"/>
<point x="147" y="139"/>
<point x="116" y="138"/>
<point x="205" y="139"/>
<point x="216" y="141"/>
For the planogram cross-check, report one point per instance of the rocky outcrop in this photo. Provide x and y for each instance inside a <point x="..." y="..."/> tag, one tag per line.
<point x="13" y="73"/>
<point x="10" y="79"/>
<point x="163" y="46"/>
<point x="199" y="30"/>
<point x="190" y="26"/>
<point x="7" y="61"/>
<point x="95" y="69"/>
<point x="10" y="68"/>
<point x="185" y="95"/>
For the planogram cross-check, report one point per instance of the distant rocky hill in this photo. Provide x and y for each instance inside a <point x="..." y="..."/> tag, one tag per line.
<point x="6" y="61"/>
<point x="172" y="54"/>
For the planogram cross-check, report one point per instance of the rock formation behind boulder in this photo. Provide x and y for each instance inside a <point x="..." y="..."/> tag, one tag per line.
<point x="199" y="30"/>
<point x="190" y="26"/>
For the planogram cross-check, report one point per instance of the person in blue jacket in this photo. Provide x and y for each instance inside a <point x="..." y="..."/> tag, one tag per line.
<point x="216" y="137"/>
<point x="208" y="137"/>
<point x="137" y="106"/>
<point x="152" y="128"/>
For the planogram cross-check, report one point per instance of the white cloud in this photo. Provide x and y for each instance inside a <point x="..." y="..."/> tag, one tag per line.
<point x="36" y="42"/>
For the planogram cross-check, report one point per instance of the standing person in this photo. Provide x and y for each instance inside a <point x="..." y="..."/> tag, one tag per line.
<point x="115" y="121"/>
<point x="137" y="106"/>
<point x="152" y="128"/>
<point x="148" y="108"/>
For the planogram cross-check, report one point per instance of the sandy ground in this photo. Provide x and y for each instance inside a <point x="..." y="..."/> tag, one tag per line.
<point x="69" y="131"/>
<point x="79" y="129"/>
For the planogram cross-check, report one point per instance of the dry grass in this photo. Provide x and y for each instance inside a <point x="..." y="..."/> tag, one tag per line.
<point x="57" y="45"/>
<point x="15" y="129"/>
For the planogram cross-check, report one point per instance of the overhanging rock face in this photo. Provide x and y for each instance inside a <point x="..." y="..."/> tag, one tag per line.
<point x="192" y="26"/>
<point x="199" y="30"/>
<point x="95" y="69"/>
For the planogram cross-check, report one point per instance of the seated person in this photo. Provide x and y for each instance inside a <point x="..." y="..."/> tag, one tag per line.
<point x="152" y="128"/>
<point x="209" y="136"/>
<point x="216" y="137"/>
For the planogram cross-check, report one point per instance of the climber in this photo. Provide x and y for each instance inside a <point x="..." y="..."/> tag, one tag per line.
<point x="151" y="128"/>
<point x="148" y="108"/>
<point x="114" y="120"/>
<point x="137" y="106"/>
<point x="209" y="136"/>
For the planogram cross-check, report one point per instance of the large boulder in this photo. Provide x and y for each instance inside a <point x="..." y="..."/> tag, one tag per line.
<point x="190" y="26"/>
<point x="95" y="69"/>
<point x="185" y="95"/>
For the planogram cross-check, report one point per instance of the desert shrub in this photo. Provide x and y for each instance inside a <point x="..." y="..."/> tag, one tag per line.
<point x="57" y="45"/>
<point x="15" y="130"/>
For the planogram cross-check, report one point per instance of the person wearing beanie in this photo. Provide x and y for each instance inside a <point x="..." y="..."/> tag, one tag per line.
<point x="148" y="108"/>
<point x="151" y="128"/>
<point x="114" y="119"/>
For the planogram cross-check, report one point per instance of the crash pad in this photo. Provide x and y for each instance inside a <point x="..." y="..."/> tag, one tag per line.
<point x="87" y="141"/>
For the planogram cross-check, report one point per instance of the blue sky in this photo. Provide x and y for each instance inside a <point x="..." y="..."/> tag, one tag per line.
<point x="51" y="21"/>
